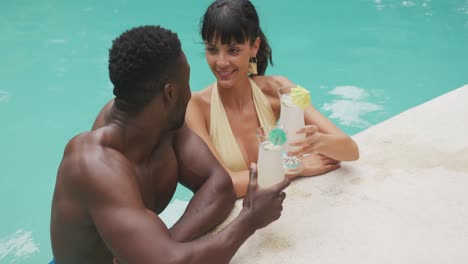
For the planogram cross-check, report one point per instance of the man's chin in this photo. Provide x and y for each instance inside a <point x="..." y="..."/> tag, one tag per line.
<point x="178" y="125"/>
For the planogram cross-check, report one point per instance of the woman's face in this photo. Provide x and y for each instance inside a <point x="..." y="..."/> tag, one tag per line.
<point x="230" y="62"/>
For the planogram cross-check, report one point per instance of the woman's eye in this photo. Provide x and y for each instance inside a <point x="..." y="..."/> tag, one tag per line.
<point x="234" y="51"/>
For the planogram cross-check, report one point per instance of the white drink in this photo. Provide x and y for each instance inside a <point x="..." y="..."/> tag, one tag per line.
<point x="292" y="119"/>
<point x="269" y="165"/>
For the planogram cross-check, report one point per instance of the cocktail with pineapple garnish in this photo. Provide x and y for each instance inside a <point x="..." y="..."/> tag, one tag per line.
<point x="294" y="100"/>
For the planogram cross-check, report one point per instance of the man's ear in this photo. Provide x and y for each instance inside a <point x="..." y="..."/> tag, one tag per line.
<point x="169" y="93"/>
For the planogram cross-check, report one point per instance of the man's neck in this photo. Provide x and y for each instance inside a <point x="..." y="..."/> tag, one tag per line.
<point x="137" y="136"/>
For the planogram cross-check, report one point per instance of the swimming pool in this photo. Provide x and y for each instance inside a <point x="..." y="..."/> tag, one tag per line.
<point x="364" y="60"/>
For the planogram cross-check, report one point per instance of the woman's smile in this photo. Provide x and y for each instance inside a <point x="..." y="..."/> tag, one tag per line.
<point x="225" y="74"/>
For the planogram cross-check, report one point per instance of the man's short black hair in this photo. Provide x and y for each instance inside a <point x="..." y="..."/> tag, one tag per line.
<point x="141" y="61"/>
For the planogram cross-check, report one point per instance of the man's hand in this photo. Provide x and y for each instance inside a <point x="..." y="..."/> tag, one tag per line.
<point x="263" y="205"/>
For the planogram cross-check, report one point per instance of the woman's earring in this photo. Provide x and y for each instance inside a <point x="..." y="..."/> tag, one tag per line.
<point x="253" y="65"/>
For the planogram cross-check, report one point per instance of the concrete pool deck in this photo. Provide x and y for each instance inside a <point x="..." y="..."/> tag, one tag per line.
<point x="404" y="201"/>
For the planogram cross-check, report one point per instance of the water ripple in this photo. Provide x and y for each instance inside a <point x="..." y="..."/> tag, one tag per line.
<point x="57" y="41"/>
<point x="351" y="107"/>
<point x="173" y="212"/>
<point x="20" y="245"/>
<point x="4" y="96"/>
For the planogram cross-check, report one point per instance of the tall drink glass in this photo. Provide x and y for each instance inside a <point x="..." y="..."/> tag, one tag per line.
<point x="291" y="119"/>
<point x="269" y="165"/>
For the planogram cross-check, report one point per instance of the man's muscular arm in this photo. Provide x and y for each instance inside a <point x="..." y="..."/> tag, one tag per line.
<point x="203" y="175"/>
<point x="104" y="184"/>
<point x="214" y="194"/>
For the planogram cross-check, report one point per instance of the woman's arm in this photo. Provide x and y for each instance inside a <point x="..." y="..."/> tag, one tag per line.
<point x="322" y="136"/>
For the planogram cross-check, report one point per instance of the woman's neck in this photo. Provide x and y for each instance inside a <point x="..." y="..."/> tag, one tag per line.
<point x="238" y="96"/>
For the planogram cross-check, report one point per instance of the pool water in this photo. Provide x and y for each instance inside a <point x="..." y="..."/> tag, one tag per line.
<point x="364" y="61"/>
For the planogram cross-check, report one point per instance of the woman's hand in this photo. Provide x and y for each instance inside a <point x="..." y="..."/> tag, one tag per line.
<point x="337" y="146"/>
<point x="309" y="144"/>
<point x="316" y="164"/>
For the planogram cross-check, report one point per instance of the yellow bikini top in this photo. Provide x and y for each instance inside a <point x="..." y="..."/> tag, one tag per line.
<point x="221" y="132"/>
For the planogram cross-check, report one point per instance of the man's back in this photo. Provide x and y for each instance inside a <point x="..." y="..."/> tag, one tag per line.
<point x="73" y="231"/>
<point x="74" y="236"/>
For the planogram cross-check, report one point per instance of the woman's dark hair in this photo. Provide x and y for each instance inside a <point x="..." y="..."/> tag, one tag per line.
<point x="236" y="20"/>
<point x="140" y="61"/>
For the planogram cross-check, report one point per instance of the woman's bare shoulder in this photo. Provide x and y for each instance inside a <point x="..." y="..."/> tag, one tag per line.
<point x="202" y="98"/>
<point x="198" y="109"/>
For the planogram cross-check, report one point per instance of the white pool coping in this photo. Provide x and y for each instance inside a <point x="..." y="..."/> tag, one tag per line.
<point x="404" y="201"/>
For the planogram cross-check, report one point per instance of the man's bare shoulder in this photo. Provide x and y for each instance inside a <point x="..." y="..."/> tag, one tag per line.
<point x="89" y="165"/>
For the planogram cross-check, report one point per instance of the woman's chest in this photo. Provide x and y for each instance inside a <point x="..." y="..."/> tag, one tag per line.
<point x="243" y="127"/>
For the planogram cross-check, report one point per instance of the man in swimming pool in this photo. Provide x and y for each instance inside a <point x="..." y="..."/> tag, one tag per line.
<point x="114" y="180"/>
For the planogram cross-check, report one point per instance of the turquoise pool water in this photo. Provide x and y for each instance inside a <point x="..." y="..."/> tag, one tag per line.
<point x="364" y="60"/>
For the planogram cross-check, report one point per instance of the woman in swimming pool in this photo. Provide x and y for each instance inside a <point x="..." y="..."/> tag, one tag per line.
<point x="227" y="113"/>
